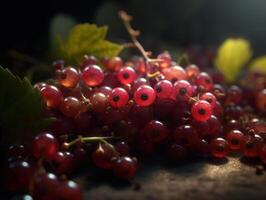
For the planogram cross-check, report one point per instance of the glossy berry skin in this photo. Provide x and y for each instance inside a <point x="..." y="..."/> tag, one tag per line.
<point x="68" y="190"/>
<point x="139" y="82"/>
<point x="236" y="140"/>
<point x="125" y="168"/>
<point x="103" y="155"/>
<point x="68" y="77"/>
<point x="126" y="75"/>
<point x="58" y="64"/>
<point x="155" y="131"/>
<point x="44" y="145"/>
<point x="182" y="91"/>
<point x="106" y="90"/>
<point x="19" y="174"/>
<point x="93" y="75"/>
<point x="70" y="107"/>
<point x="144" y="95"/>
<point x="63" y="162"/>
<point x="174" y="73"/>
<point x="122" y="148"/>
<point x="261" y="101"/>
<point x="207" y="96"/>
<point x="176" y="152"/>
<point x="165" y="60"/>
<point x="163" y="89"/>
<point x="17" y="150"/>
<point x="204" y="80"/>
<point x="44" y="186"/>
<point x="219" y="148"/>
<point x="201" y="110"/>
<point x="185" y="135"/>
<point x="118" y="97"/>
<point x="39" y="85"/>
<point x="113" y="64"/>
<point x="252" y="146"/>
<point x="99" y="102"/>
<point x="51" y="95"/>
<point x="192" y="71"/>
<point x="234" y="94"/>
<point x="263" y="155"/>
<point x="88" y="60"/>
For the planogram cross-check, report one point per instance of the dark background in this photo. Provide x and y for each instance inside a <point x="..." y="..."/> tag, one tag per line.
<point x="168" y="24"/>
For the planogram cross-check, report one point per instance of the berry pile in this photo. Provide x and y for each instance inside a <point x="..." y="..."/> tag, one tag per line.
<point x="134" y="108"/>
<point x="108" y="112"/>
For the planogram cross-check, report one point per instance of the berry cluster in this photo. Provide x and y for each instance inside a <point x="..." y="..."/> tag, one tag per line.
<point x="134" y="108"/>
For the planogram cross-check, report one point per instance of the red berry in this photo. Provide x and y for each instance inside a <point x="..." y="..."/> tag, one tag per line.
<point x="219" y="148"/>
<point x="63" y="162"/>
<point x="201" y="110"/>
<point x="103" y="155"/>
<point x="44" y="186"/>
<point x="99" y="102"/>
<point x="126" y="75"/>
<point x="204" y="80"/>
<point x="59" y="64"/>
<point x="19" y="174"/>
<point x="144" y="95"/>
<point x="125" y="168"/>
<point x="261" y="101"/>
<point x="122" y="148"/>
<point x="263" y="155"/>
<point x="114" y="63"/>
<point x="106" y="90"/>
<point x="182" y="91"/>
<point x="234" y="94"/>
<point x="68" y="77"/>
<point x="235" y="139"/>
<point x="89" y="60"/>
<point x="163" y="89"/>
<point x="185" y="135"/>
<point x="51" y="95"/>
<point x="252" y="146"/>
<point x="68" y="190"/>
<point x="93" y="75"/>
<point x="192" y="71"/>
<point x="210" y="98"/>
<point x="70" y="107"/>
<point x="118" y="97"/>
<point x="155" y="131"/>
<point x="165" y="60"/>
<point x="174" y="73"/>
<point x="44" y="145"/>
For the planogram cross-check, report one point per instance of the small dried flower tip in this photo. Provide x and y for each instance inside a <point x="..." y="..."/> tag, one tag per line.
<point x="124" y="16"/>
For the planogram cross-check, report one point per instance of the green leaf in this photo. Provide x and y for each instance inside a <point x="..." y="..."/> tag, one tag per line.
<point x="232" y="56"/>
<point x="21" y="108"/>
<point x="87" y="39"/>
<point x="258" y="64"/>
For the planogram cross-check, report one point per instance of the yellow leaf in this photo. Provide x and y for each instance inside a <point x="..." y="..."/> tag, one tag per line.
<point x="258" y="64"/>
<point x="87" y="39"/>
<point x="232" y="56"/>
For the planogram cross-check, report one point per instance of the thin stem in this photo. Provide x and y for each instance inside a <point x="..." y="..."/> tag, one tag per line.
<point x="87" y="139"/>
<point x="133" y="35"/>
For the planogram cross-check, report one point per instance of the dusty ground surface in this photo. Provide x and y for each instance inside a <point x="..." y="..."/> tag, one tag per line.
<point x="230" y="179"/>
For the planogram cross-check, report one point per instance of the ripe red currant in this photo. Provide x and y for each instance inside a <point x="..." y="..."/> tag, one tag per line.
<point x="235" y="139"/>
<point x="44" y="145"/>
<point x="219" y="148"/>
<point x="118" y="97"/>
<point x="182" y="91"/>
<point x="207" y="96"/>
<point x="68" y="77"/>
<point x="93" y="75"/>
<point x="126" y="75"/>
<point x="70" y="107"/>
<point x="125" y="168"/>
<point x="144" y="95"/>
<point x="201" y="110"/>
<point x="163" y="89"/>
<point x="51" y="95"/>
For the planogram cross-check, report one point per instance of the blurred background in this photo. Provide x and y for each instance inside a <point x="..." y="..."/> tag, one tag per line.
<point x="28" y="28"/>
